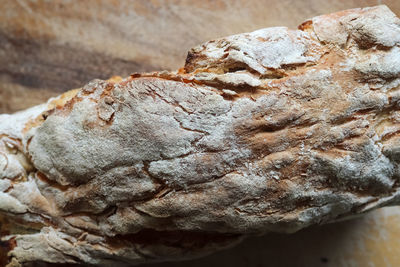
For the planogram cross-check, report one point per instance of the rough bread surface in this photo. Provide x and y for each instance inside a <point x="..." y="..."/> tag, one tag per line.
<point x="269" y="131"/>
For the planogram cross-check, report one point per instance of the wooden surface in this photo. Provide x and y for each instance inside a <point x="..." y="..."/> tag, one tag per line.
<point x="372" y="240"/>
<point x="48" y="47"/>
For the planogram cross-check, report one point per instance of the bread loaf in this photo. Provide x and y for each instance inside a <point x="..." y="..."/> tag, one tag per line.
<point x="269" y="131"/>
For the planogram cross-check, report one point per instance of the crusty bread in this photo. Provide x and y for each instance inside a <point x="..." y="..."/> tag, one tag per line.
<point x="272" y="130"/>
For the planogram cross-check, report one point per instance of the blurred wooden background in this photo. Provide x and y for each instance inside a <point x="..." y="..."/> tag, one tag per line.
<point x="48" y="47"/>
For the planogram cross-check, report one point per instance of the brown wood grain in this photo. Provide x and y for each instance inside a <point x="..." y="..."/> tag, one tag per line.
<point x="47" y="47"/>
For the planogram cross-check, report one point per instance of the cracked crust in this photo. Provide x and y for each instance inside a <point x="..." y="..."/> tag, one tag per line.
<point x="273" y="130"/>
